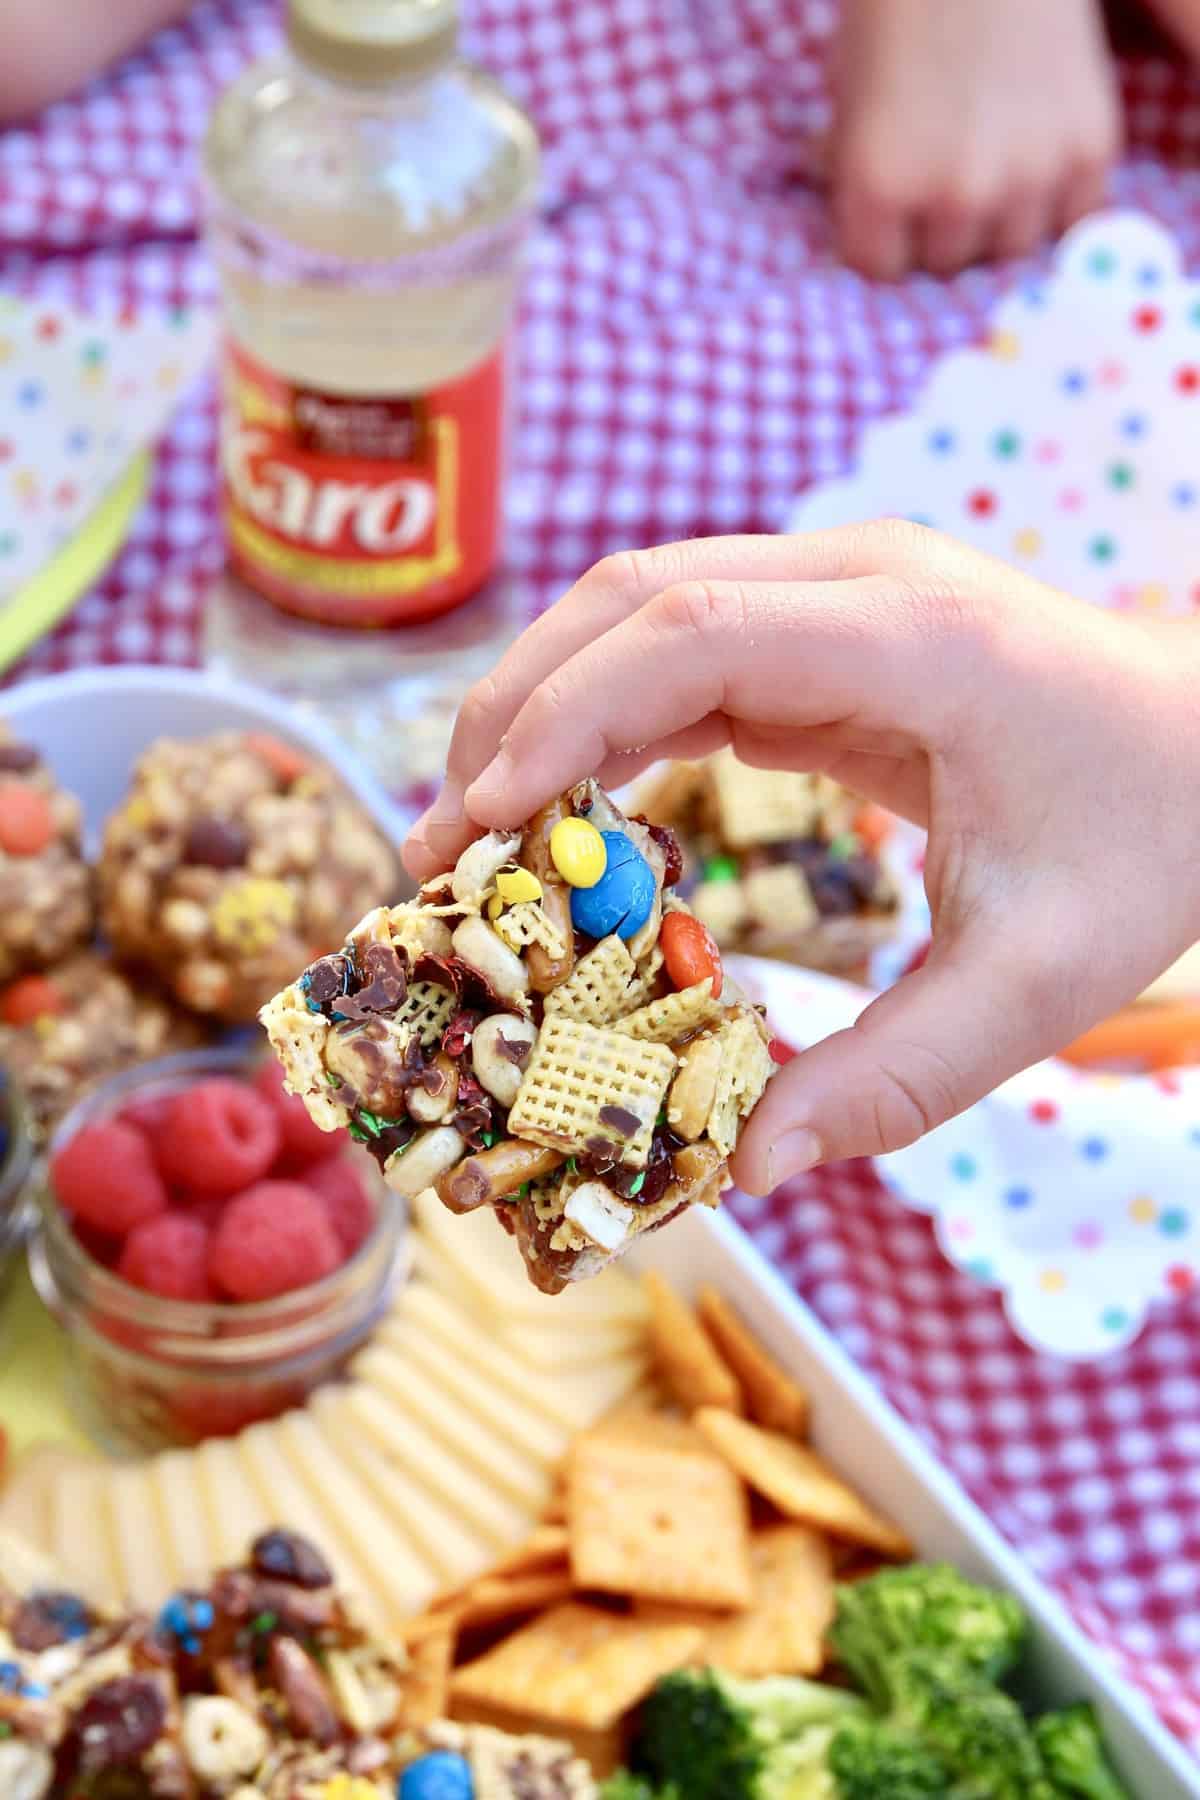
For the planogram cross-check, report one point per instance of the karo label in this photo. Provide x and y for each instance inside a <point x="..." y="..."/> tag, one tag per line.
<point x="360" y="509"/>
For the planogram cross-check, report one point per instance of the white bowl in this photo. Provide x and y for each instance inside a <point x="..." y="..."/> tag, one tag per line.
<point x="92" y="726"/>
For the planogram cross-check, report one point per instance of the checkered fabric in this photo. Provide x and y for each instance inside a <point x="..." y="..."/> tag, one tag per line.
<point x="691" y="357"/>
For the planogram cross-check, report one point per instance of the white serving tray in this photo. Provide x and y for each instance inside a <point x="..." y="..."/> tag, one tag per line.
<point x="92" y="726"/>
<point x="873" y="1447"/>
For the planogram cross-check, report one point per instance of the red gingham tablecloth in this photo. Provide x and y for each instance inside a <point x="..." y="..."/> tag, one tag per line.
<point x="691" y="357"/>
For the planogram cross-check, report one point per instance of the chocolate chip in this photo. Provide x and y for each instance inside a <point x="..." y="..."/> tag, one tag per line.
<point x="119" y="1721"/>
<point x="326" y="980"/>
<point x="290" y="1557"/>
<point x="468" y="1187"/>
<point x="385" y="983"/>
<point x="621" y="1120"/>
<point x="18" y="758"/>
<point x="601" y="1154"/>
<point x="216" y="843"/>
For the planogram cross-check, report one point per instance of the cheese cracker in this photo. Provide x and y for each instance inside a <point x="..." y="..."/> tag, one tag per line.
<point x="796" y="1481"/>
<point x="577" y="1665"/>
<point x="690" y="1363"/>
<point x="660" y="1520"/>
<point x="773" y="1399"/>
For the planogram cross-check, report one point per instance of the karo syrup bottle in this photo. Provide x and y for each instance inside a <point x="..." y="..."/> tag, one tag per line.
<point x="368" y="199"/>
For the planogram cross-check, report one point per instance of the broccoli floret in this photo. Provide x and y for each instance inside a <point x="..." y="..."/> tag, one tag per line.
<point x="1073" y="1753"/>
<point x="874" y="1761"/>
<point x="719" y="1738"/>
<point x="977" y="1731"/>
<point x="624" y="1786"/>
<point x="924" y="1606"/>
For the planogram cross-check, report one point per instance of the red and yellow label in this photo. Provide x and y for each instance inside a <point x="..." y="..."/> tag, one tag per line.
<point x="362" y="511"/>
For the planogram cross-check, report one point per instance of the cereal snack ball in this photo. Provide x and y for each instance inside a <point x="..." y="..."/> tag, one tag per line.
<point x="83" y="1020"/>
<point x="45" y="885"/>
<point x="234" y="858"/>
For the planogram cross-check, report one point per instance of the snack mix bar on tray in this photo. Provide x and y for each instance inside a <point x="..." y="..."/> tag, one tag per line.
<point x="546" y="1030"/>
<point x="777" y="863"/>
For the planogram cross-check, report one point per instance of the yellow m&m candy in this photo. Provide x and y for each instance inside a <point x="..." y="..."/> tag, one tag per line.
<point x="577" y="852"/>
<point x="515" y="885"/>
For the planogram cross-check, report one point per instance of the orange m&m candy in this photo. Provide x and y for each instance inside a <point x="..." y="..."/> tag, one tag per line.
<point x="32" y="997"/>
<point x="282" y="759"/>
<point x="690" y="952"/>
<point x="26" y="822"/>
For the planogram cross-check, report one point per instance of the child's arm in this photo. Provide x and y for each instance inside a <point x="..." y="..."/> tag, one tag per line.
<point x="52" y="47"/>
<point x="1053" y="750"/>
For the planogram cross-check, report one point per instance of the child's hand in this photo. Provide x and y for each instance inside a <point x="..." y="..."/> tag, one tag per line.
<point x="967" y="130"/>
<point x="1052" y="749"/>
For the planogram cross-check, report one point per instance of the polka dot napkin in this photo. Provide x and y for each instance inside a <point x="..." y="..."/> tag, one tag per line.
<point x="1073" y="1194"/>
<point x="1069" y="443"/>
<point x="79" y="398"/>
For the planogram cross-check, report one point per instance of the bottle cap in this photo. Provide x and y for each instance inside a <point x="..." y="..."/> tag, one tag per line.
<point x="372" y="41"/>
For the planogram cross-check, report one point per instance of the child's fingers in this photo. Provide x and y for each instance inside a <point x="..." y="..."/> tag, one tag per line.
<point x="609" y="593"/>
<point x="783" y="655"/>
<point x="953" y="236"/>
<point x="932" y="1045"/>
<point x="1026" y="222"/>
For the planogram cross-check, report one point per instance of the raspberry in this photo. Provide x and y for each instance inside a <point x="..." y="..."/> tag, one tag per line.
<point x="344" y="1195"/>
<point x="303" y="1142"/>
<point x="218" y="1137"/>
<point x="146" y="1113"/>
<point x="273" y="1238"/>
<point x="105" y="1175"/>
<point x="169" y="1256"/>
<point x="205" y="1208"/>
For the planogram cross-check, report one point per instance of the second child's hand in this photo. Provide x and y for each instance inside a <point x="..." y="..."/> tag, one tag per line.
<point x="1052" y="750"/>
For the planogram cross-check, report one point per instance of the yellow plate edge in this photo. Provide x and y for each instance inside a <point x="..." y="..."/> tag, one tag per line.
<point x="54" y="590"/>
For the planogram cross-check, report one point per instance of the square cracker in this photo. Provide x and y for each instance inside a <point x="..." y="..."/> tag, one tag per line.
<point x="577" y="1665"/>
<point x="773" y="1399"/>
<point x="494" y="1598"/>
<point x="783" y="1631"/>
<point x="597" y="990"/>
<point x="668" y="1520"/>
<point x="796" y="1481"/>
<point x="762" y="806"/>
<point x="687" y="1359"/>
<point x="585" y="1082"/>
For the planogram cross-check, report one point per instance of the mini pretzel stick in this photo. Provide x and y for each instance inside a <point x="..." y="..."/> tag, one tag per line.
<point x="546" y="971"/>
<point x="488" y="1175"/>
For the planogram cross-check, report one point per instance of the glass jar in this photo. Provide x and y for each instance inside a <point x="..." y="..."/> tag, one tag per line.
<point x="147" y="1373"/>
<point x="368" y="200"/>
<point x="16" y="1163"/>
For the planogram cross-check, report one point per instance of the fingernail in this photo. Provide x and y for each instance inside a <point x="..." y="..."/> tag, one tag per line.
<point x="492" y="781"/>
<point x="792" y="1154"/>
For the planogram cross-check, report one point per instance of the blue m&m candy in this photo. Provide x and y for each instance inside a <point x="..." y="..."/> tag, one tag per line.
<point x="622" y="898"/>
<point x="441" y="1775"/>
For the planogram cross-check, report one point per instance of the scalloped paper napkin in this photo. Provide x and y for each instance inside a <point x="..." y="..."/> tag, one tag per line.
<point x="1077" y="1195"/>
<point x="1069" y="443"/>
<point x="80" y="397"/>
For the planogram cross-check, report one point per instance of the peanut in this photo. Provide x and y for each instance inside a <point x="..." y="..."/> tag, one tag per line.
<point x="694" y="1087"/>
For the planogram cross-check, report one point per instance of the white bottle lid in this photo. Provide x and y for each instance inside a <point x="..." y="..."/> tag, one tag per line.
<point x="373" y="41"/>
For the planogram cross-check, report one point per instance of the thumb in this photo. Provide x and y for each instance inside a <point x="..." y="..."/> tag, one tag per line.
<point x="935" y="1043"/>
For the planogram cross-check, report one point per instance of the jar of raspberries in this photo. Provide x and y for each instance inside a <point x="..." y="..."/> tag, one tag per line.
<point x="213" y="1255"/>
